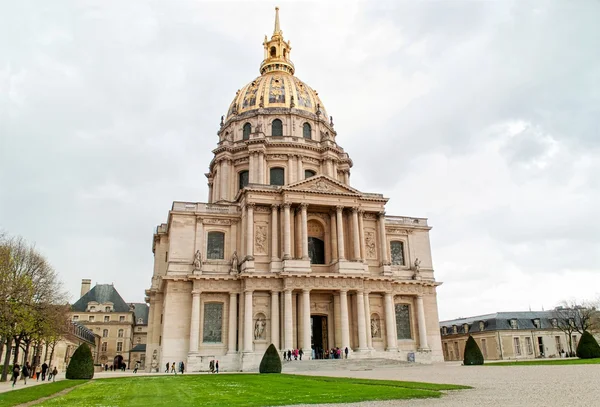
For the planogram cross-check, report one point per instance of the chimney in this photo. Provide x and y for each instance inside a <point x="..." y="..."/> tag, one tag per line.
<point x="85" y="286"/>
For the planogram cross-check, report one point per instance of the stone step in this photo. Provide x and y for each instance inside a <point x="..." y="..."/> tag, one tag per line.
<point x="339" y="364"/>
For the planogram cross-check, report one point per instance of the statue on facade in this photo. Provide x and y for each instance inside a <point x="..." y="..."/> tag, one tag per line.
<point x="374" y="328"/>
<point x="261" y="103"/>
<point x="331" y="121"/>
<point x="259" y="328"/>
<point x="259" y="127"/>
<point x="292" y="103"/>
<point x="417" y="269"/>
<point x="222" y="123"/>
<point x="234" y="263"/>
<point x="197" y="260"/>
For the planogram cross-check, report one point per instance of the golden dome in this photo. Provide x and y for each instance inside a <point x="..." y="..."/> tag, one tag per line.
<point x="277" y="87"/>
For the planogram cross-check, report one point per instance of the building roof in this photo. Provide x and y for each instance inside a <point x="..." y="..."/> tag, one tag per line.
<point x="501" y="320"/>
<point x="140" y="347"/>
<point x="140" y="310"/>
<point x="102" y="294"/>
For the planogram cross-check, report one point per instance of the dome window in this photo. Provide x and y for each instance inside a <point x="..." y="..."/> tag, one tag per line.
<point x="273" y="52"/>
<point x="309" y="173"/>
<point x="246" y="131"/>
<point x="243" y="178"/>
<point x="277" y="128"/>
<point x="307" y="131"/>
<point x="277" y="176"/>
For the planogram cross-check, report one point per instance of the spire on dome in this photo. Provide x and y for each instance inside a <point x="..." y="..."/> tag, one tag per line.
<point x="277" y="30"/>
<point x="277" y="51"/>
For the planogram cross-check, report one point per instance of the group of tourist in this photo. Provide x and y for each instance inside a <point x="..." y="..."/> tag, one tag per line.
<point x="180" y="367"/>
<point x="27" y="371"/>
<point x="296" y="353"/>
<point x="333" y="353"/>
<point x="114" y="367"/>
<point x="213" y="366"/>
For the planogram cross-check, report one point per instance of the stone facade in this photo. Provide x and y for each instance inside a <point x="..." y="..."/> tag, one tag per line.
<point x="508" y="336"/>
<point x="286" y="251"/>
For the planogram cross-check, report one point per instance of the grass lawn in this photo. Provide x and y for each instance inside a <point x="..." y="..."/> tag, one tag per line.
<point x="26" y="394"/>
<point x="240" y="390"/>
<point x="548" y="362"/>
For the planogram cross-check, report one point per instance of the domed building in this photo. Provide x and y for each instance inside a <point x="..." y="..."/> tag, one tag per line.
<point x="286" y="251"/>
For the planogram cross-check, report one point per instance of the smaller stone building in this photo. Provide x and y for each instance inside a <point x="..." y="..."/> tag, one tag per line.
<point x="507" y="335"/>
<point x="119" y="324"/>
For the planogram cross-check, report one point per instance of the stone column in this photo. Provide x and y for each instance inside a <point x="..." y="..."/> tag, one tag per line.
<point x="368" y="320"/>
<point x="360" y="313"/>
<point x="251" y="168"/>
<point x="274" y="233"/>
<point x="250" y="230"/>
<point x="287" y="309"/>
<point x="382" y="239"/>
<point x="344" y="319"/>
<point x="333" y="231"/>
<point x="421" y="322"/>
<point x="195" y="322"/>
<point x="248" y="326"/>
<point x="261" y="167"/>
<point x="287" y="243"/>
<point x="355" y="234"/>
<point x="217" y="194"/>
<point x="304" y="221"/>
<point x="300" y="169"/>
<point x="390" y="322"/>
<point x="361" y="235"/>
<point x="275" y="318"/>
<point x="224" y="186"/>
<point x="210" y="192"/>
<point x="306" y="346"/>
<point x="290" y="169"/>
<point x="231" y="334"/>
<point x="340" y="233"/>
<point x="347" y="177"/>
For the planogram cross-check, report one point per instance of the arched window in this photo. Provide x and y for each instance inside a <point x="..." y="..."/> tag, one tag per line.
<point x="277" y="176"/>
<point x="105" y="333"/>
<point x="306" y="131"/>
<point x="243" y="179"/>
<point x="276" y="128"/>
<point x="397" y="249"/>
<point x="247" y="129"/>
<point x="273" y="52"/>
<point x="92" y="309"/>
<point x="120" y="333"/>
<point x="215" y="245"/>
<point x="106" y="309"/>
<point x="309" y="173"/>
<point x="316" y="250"/>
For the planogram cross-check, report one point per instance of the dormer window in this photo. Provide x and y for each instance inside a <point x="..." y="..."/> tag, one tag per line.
<point x="481" y="325"/>
<point x="444" y="330"/>
<point x="454" y="329"/>
<point x="513" y="324"/>
<point x="106" y="309"/>
<point x="92" y="308"/>
<point x="554" y="323"/>
<point x="536" y="323"/>
<point x="466" y="328"/>
<point x="140" y="321"/>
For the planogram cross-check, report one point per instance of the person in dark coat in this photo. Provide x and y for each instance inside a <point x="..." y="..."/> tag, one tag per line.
<point x="44" y="370"/>
<point x="217" y="366"/>
<point x="346" y="352"/>
<point x="167" y="368"/>
<point x="16" y="374"/>
<point x="25" y="372"/>
<point x="54" y="373"/>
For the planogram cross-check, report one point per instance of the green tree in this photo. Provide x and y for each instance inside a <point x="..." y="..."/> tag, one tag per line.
<point x="270" y="363"/>
<point x="588" y="348"/>
<point x="473" y="355"/>
<point x="81" y="365"/>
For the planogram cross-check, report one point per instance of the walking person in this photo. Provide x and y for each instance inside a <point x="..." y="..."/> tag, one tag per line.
<point x="217" y="366"/>
<point x="181" y="367"/>
<point x="167" y="368"/>
<point x="346" y="352"/>
<point x="301" y="352"/>
<point x="44" y="370"/>
<point x="16" y="374"/>
<point x="173" y="370"/>
<point x="211" y="366"/>
<point x="25" y="372"/>
<point x="54" y="373"/>
<point x="49" y="373"/>
<point x="136" y="367"/>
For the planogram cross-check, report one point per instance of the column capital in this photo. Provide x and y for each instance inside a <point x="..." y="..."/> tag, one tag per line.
<point x="250" y="205"/>
<point x="274" y="207"/>
<point x="419" y="297"/>
<point x="196" y="293"/>
<point x="381" y="214"/>
<point x="339" y="208"/>
<point x="303" y="205"/>
<point x="232" y="295"/>
<point x="344" y="291"/>
<point x="288" y="290"/>
<point x="286" y="205"/>
<point x="306" y="290"/>
<point x="361" y="212"/>
<point x="248" y="290"/>
<point x="355" y="209"/>
<point x="275" y="291"/>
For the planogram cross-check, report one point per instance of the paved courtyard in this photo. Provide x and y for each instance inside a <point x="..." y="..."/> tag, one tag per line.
<point x="569" y="385"/>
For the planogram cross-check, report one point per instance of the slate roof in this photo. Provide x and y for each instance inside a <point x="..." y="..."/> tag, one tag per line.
<point x="141" y="311"/>
<point x="102" y="293"/>
<point x="140" y="347"/>
<point x="501" y="321"/>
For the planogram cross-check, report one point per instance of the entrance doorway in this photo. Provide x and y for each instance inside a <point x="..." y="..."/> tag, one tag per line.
<point x="319" y="335"/>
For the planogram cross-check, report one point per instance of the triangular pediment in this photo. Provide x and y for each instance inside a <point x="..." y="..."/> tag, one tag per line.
<point x="321" y="184"/>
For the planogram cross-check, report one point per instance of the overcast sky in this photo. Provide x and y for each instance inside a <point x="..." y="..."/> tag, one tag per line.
<point x="482" y="116"/>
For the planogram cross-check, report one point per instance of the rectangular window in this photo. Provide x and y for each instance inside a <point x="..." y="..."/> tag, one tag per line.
<point x="517" y="343"/>
<point x="104" y="346"/>
<point x="106" y="318"/>
<point x="166" y="256"/>
<point x="215" y="245"/>
<point x="456" y="351"/>
<point x="119" y="346"/>
<point x="121" y="318"/>
<point x="403" y="321"/>
<point x="529" y="345"/>
<point x="484" y="348"/>
<point x="558" y="344"/>
<point x="446" y="353"/>
<point x="213" y="322"/>
<point x="91" y="319"/>
<point x="159" y="340"/>
<point x="397" y="250"/>
<point x="513" y="324"/>
<point x="277" y="176"/>
<point x="244" y="179"/>
<point x="105" y="333"/>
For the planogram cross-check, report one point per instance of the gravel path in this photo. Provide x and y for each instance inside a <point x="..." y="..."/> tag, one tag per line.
<point x="568" y="385"/>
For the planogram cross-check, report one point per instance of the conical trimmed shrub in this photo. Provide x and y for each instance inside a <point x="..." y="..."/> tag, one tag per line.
<point x="270" y="362"/>
<point x="588" y="348"/>
<point x="473" y="355"/>
<point x="81" y="365"/>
